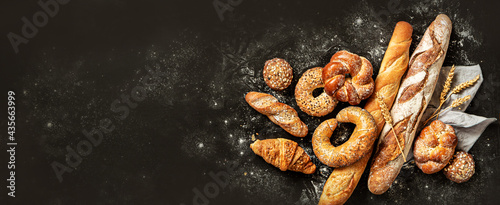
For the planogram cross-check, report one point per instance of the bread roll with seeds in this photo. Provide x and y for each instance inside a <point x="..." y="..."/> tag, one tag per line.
<point x="461" y="167"/>
<point x="278" y="74"/>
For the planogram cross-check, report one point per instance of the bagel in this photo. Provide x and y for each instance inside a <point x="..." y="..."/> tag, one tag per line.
<point x="314" y="106"/>
<point x="358" y="145"/>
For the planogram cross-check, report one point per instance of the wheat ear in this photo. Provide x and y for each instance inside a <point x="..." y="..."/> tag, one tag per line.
<point x="456" y="89"/>
<point x="465" y="85"/>
<point x="446" y="88"/>
<point x="459" y="101"/>
<point x="447" y="85"/>
<point x="388" y="120"/>
<point x="455" y="103"/>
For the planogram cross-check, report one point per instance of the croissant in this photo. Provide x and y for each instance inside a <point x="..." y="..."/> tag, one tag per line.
<point x="284" y="154"/>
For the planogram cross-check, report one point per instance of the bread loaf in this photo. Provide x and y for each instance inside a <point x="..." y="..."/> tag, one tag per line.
<point x="342" y="181"/>
<point x="415" y="93"/>
<point x="279" y="113"/>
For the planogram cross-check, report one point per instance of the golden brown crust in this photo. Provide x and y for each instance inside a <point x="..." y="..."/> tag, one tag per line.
<point x="314" y="106"/>
<point x="342" y="182"/>
<point x="351" y="90"/>
<point x="278" y="74"/>
<point x="413" y="96"/>
<point x="284" y="154"/>
<point x="355" y="148"/>
<point x="434" y="147"/>
<point x="279" y="113"/>
<point x="393" y="67"/>
<point x="461" y="167"/>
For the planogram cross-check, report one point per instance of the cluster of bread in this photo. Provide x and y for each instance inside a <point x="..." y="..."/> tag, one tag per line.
<point x="396" y="101"/>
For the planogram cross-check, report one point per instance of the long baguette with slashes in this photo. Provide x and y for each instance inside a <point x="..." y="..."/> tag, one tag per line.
<point x="412" y="99"/>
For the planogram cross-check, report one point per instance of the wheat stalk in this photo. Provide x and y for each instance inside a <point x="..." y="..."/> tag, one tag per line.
<point x="388" y="120"/>
<point x="447" y="85"/>
<point x="455" y="103"/>
<point x="456" y="89"/>
<point x="465" y="85"/>
<point x="445" y="90"/>
<point x="460" y="101"/>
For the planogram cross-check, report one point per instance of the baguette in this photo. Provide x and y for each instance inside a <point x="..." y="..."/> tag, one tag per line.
<point x="412" y="99"/>
<point x="342" y="181"/>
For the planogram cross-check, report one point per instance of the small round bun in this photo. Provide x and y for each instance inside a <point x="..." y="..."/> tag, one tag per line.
<point x="278" y="74"/>
<point x="461" y="167"/>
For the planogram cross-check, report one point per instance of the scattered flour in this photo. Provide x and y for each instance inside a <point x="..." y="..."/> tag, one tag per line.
<point x="220" y="93"/>
<point x="305" y="47"/>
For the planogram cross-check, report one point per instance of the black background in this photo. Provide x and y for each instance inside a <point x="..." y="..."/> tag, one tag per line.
<point x="194" y="119"/>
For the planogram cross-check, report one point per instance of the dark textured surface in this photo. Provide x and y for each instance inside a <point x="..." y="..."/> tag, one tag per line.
<point x="194" y="120"/>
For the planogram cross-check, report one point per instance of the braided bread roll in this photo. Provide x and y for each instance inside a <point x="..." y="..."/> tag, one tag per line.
<point x="284" y="154"/>
<point x="413" y="97"/>
<point x="279" y="113"/>
<point x="434" y="147"/>
<point x="352" y="89"/>
<point x="342" y="181"/>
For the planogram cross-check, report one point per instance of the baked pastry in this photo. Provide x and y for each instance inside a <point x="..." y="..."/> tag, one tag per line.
<point x="342" y="181"/>
<point x="314" y="106"/>
<point x="461" y="167"/>
<point x="284" y="154"/>
<point x="434" y="147"/>
<point x="348" y="89"/>
<point x="279" y="113"/>
<point x="355" y="148"/>
<point x="413" y="97"/>
<point x="278" y="74"/>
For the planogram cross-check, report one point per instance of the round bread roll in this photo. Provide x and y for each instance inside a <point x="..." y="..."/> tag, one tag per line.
<point x="435" y="147"/>
<point x="278" y="74"/>
<point x="461" y="167"/>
